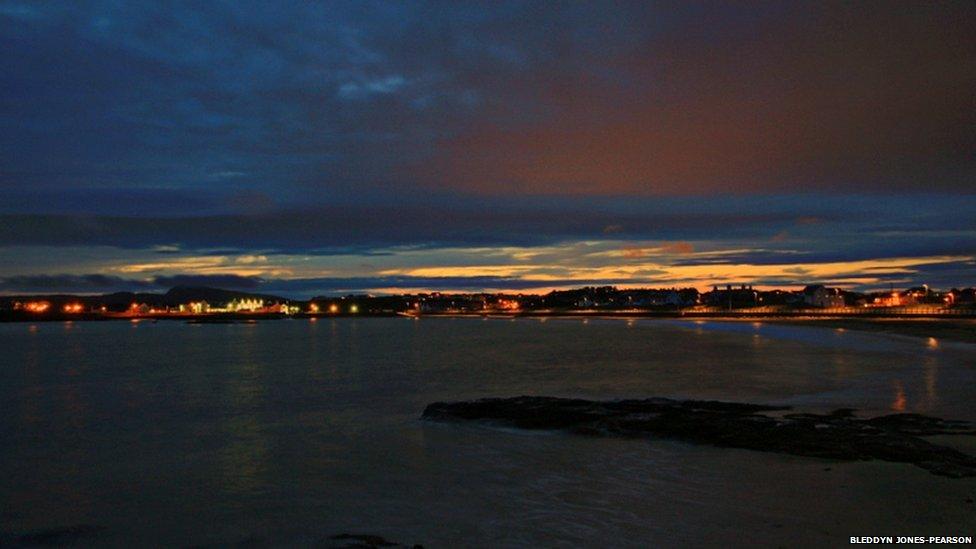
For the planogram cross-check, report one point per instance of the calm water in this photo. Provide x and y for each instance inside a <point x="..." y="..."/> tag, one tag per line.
<point x="292" y="431"/>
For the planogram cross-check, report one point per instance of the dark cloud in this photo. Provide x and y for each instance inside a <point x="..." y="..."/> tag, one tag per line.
<point x="308" y="100"/>
<point x="234" y="282"/>
<point x="332" y="228"/>
<point x="70" y="283"/>
<point x="827" y="130"/>
<point x="870" y="95"/>
<point x="310" y="286"/>
<point x="937" y="275"/>
<point x="89" y="283"/>
<point x="848" y="227"/>
<point x="300" y="287"/>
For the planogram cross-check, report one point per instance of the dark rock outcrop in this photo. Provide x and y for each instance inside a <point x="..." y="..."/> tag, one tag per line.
<point x="66" y="535"/>
<point x="366" y="541"/>
<point x="838" y="435"/>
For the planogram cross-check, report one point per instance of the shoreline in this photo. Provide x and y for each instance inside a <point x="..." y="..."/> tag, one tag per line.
<point x="950" y="327"/>
<point x="958" y="328"/>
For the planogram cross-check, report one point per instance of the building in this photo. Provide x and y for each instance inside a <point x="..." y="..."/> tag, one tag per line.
<point x="195" y="307"/>
<point x="732" y="298"/>
<point x="823" y="297"/>
<point x="245" y="305"/>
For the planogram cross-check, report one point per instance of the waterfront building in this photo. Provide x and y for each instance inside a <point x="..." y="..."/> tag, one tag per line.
<point x="823" y="297"/>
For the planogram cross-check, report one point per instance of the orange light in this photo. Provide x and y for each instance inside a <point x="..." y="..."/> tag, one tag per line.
<point x="73" y="308"/>
<point x="313" y="308"/>
<point x="333" y="308"/>
<point x="37" y="306"/>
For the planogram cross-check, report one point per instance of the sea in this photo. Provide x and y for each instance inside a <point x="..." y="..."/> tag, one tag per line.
<point x="289" y="432"/>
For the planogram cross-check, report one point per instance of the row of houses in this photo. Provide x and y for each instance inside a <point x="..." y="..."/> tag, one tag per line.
<point x="820" y="296"/>
<point x="728" y="296"/>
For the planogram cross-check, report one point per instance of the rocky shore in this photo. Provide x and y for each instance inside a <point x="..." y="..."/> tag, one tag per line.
<point x="839" y="435"/>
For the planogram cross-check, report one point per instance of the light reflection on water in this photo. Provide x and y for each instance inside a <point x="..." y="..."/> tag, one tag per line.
<point x="243" y="459"/>
<point x="218" y="431"/>
<point x="899" y="404"/>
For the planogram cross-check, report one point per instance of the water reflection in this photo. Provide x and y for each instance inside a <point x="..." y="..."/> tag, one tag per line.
<point x="931" y="369"/>
<point x="296" y="423"/>
<point x="33" y="392"/>
<point x="243" y="459"/>
<point x="842" y="367"/>
<point x="900" y="402"/>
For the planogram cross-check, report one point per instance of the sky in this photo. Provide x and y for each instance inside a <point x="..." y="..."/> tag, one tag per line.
<point x="322" y="148"/>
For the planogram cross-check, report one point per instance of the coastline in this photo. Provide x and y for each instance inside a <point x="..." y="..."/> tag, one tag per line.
<point x="949" y="327"/>
<point x="960" y="328"/>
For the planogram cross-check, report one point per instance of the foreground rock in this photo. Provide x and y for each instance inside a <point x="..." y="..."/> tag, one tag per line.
<point x="55" y="537"/>
<point x="839" y="435"/>
<point x="367" y="541"/>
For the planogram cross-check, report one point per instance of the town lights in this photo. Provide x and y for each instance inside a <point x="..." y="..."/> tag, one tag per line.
<point x="73" y="308"/>
<point x="354" y="308"/>
<point x="333" y="308"/>
<point x="313" y="308"/>
<point x="37" y="306"/>
<point x="510" y="305"/>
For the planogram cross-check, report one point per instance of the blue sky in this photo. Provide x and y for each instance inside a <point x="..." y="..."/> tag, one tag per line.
<point x="310" y="148"/>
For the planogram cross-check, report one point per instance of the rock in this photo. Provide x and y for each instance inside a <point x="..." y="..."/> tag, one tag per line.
<point x="366" y="541"/>
<point x="66" y="535"/>
<point x="838" y="435"/>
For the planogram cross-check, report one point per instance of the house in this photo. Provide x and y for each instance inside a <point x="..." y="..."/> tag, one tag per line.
<point x="822" y="297"/>
<point x="732" y="298"/>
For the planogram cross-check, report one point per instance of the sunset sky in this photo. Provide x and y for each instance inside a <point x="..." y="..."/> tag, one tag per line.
<point x="318" y="148"/>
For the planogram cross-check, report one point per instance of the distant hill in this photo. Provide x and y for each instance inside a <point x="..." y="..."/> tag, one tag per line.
<point x="214" y="296"/>
<point x="122" y="300"/>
